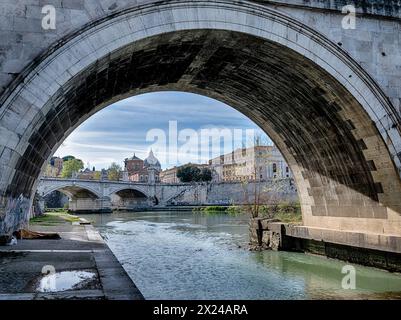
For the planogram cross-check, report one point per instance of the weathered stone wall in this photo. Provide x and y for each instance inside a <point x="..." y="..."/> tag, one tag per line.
<point x="195" y="194"/>
<point x="21" y="211"/>
<point x="231" y="193"/>
<point x="237" y="193"/>
<point x="375" y="43"/>
<point x="385" y="8"/>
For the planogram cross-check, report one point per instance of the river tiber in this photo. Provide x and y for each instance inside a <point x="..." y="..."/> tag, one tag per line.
<point x="185" y="150"/>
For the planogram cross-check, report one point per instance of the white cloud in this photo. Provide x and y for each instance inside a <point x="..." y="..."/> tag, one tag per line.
<point x="119" y="130"/>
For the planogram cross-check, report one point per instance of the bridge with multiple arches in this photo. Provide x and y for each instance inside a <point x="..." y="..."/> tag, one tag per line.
<point x="105" y="196"/>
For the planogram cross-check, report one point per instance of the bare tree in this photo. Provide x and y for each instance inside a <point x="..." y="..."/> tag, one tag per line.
<point x="258" y="195"/>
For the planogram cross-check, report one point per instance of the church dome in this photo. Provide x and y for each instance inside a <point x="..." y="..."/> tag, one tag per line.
<point x="151" y="161"/>
<point x="135" y="158"/>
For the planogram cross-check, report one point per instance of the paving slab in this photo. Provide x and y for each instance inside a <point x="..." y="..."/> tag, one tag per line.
<point x="81" y="248"/>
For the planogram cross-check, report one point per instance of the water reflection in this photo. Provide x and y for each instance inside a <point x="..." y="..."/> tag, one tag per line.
<point x="65" y="280"/>
<point x="193" y="256"/>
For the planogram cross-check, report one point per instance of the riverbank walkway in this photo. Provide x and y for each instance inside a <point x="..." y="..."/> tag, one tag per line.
<point x="81" y="254"/>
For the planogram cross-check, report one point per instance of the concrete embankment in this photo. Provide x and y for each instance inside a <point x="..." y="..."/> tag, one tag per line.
<point x="78" y="266"/>
<point x="369" y="249"/>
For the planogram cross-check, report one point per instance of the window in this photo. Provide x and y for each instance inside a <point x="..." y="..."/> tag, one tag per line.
<point x="274" y="167"/>
<point x="287" y="170"/>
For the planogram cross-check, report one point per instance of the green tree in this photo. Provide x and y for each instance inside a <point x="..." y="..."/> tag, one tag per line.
<point x="70" y="167"/>
<point x="190" y="173"/>
<point x="97" y="175"/>
<point x="206" y="175"/>
<point x="67" y="158"/>
<point x="113" y="172"/>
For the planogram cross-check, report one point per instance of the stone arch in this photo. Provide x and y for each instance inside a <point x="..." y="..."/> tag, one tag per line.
<point x="345" y="161"/>
<point x="130" y="198"/>
<point x="68" y="189"/>
<point x="122" y="188"/>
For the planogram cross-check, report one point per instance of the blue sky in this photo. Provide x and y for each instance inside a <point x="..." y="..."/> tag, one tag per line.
<point x="121" y="129"/>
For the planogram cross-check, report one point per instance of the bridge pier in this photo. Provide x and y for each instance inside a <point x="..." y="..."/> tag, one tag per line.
<point x="88" y="205"/>
<point x="129" y="199"/>
<point x="40" y="206"/>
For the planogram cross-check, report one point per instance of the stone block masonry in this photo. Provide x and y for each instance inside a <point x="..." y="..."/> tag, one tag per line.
<point x="373" y="250"/>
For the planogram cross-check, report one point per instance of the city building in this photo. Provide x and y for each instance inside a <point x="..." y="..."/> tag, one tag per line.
<point x="54" y="167"/>
<point x="169" y="175"/>
<point x="138" y="170"/>
<point x="250" y="164"/>
<point x="133" y="164"/>
<point x="89" y="174"/>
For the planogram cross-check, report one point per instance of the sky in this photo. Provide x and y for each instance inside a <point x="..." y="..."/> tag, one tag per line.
<point x="144" y="122"/>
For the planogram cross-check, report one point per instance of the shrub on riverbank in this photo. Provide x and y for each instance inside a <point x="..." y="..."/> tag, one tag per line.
<point x="210" y="209"/>
<point x="215" y="208"/>
<point x="235" y="210"/>
<point x="61" y="210"/>
<point x="286" y="212"/>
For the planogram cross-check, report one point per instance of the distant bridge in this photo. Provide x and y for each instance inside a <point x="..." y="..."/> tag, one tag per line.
<point x="95" y="195"/>
<point x="104" y="195"/>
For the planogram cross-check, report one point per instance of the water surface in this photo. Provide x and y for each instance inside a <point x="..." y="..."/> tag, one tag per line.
<point x="185" y="255"/>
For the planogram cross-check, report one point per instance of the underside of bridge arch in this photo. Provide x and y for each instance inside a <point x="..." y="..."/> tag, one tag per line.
<point x="83" y="200"/>
<point x="130" y="193"/>
<point x="129" y="199"/>
<point x="75" y="192"/>
<point x="345" y="176"/>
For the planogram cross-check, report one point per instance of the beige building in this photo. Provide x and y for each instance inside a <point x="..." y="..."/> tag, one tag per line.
<point x="54" y="167"/>
<point x="169" y="175"/>
<point x="89" y="174"/>
<point x="250" y="164"/>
